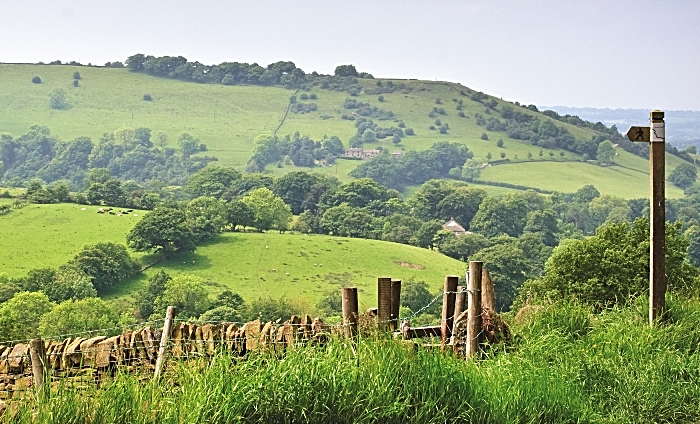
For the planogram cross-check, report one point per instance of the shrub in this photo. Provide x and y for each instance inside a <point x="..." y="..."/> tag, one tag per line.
<point x="409" y="131"/>
<point x="380" y="98"/>
<point x="461" y="114"/>
<point x="57" y="99"/>
<point x="499" y="143"/>
<point x="36" y="80"/>
<point x="147" y="97"/>
<point x="76" y="83"/>
<point x="484" y="136"/>
<point x="438" y="101"/>
<point x="304" y="96"/>
<point x="313" y="96"/>
<point x="76" y="75"/>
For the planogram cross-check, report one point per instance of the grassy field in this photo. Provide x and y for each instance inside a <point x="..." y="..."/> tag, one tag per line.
<point x="567" y="366"/>
<point x="50" y="235"/>
<point x="301" y="266"/>
<point x="228" y="118"/>
<point x="252" y="264"/>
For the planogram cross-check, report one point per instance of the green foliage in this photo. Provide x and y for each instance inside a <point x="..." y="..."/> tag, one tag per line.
<point x="684" y="175"/>
<point x="69" y="283"/>
<point x="269" y="309"/>
<point x="74" y="316"/>
<point x="612" y="266"/>
<point x="500" y="216"/>
<point x="188" y="143"/>
<point x="347" y="221"/>
<point x="185" y="292"/>
<point x="606" y="152"/>
<point x="145" y="299"/>
<point x="269" y="211"/>
<point x="345" y="71"/>
<point x="416" y="295"/>
<point x="331" y="303"/>
<point x="163" y="230"/>
<point x="509" y="269"/>
<point x="106" y="264"/>
<point x="36" y="79"/>
<point x="19" y="316"/>
<point x="57" y="99"/>
<point x="206" y="217"/>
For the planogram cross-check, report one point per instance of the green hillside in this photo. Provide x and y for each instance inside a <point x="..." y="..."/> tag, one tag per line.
<point x="252" y="264"/>
<point x="302" y="266"/>
<point x="228" y="118"/>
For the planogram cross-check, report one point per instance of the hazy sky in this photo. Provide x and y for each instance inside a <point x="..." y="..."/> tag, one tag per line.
<point x="599" y="53"/>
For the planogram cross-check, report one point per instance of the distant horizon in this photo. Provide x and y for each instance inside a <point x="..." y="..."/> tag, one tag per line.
<point x="605" y="54"/>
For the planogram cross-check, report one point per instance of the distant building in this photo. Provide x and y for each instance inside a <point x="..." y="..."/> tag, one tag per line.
<point x="397" y="154"/>
<point x="359" y="152"/>
<point x="454" y="226"/>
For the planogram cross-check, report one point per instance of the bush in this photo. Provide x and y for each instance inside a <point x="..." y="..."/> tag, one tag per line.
<point x="438" y="101"/>
<point x="147" y="97"/>
<point x="409" y="131"/>
<point x="76" y="75"/>
<point x="36" y="80"/>
<point x="76" y="83"/>
<point x="484" y="136"/>
<point x="461" y="114"/>
<point x="380" y="98"/>
<point x="313" y="96"/>
<point x="304" y="96"/>
<point x="499" y="143"/>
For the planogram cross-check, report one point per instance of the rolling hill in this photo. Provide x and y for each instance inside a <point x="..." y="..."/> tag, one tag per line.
<point x="228" y="118"/>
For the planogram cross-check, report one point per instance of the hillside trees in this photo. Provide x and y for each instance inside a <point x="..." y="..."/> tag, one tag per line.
<point x="211" y="181"/>
<point x="163" y="230"/>
<point x="269" y="211"/>
<point x="73" y="316"/>
<point x="206" y="217"/>
<point x="58" y="99"/>
<point x="345" y="71"/>
<point x="683" y="175"/>
<point x="505" y="216"/>
<point x="187" y="293"/>
<point x="105" y="263"/>
<point x="606" y="152"/>
<point x="19" y="316"/>
<point x="145" y="299"/>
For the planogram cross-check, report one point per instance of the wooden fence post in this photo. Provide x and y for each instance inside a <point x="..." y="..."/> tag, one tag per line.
<point x="474" y="308"/>
<point x="37" y="354"/>
<point x="448" y="307"/>
<point x="395" y="304"/>
<point x="383" y="302"/>
<point x="460" y="301"/>
<point x="488" y="293"/>
<point x="164" y="339"/>
<point x="350" y="310"/>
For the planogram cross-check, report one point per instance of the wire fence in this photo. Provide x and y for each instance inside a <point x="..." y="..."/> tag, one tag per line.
<point x="85" y="359"/>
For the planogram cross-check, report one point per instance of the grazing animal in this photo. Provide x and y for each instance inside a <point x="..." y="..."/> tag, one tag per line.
<point x="83" y="209"/>
<point x="130" y="210"/>
<point x="111" y="213"/>
<point x="136" y="215"/>
<point x="100" y="211"/>
<point x="119" y="214"/>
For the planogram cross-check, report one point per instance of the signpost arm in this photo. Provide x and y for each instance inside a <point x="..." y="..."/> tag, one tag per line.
<point x="657" y="223"/>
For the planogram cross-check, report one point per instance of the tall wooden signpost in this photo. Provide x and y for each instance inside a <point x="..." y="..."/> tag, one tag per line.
<point x="655" y="135"/>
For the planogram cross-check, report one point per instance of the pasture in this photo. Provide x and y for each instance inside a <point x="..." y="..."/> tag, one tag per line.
<point x="228" y="118"/>
<point x="298" y="266"/>
<point x="49" y="235"/>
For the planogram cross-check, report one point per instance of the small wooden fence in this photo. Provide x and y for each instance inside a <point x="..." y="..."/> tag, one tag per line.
<point x="85" y="360"/>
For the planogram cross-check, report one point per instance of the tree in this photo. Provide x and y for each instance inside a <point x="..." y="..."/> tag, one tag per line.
<point x="75" y="316"/>
<point x="359" y="193"/>
<point x="57" y="99"/>
<point x="426" y="233"/>
<point x="295" y="189"/>
<point x="509" y="269"/>
<point x="142" y="136"/>
<point x="488" y="156"/>
<point x="693" y="236"/>
<point x="346" y="221"/>
<point x="211" y="181"/>
<point x="606" y="152"/>
<point x="499" y="143"/>
<point x="612" y="266"/>
<point x="330" y="304"/>
<point x="269" y="211"/>
<point x="206" y="217"/>
<point x="76" y="83"/>
<point x="346" y="71"/>
<point x="162" y="139"/>
<point x="19" y="316"/>
<point x="415" y="296"/>
<point x="187" y="293"/>
<point x="145" y="299"/>
<point x="585" y="194"/>
<point x="69" y="282"/>
<point x="684" y="175"/>
<point x="369" y="136"/>
<point x="496" y="217"/>
<point x="162" y="230"/>
<point x="105" y="263"/>
<point x="484" y="136"/>
<point x="36" y="79"/>
<point x="188" y="143"/>
<point x="693" y="150"/>
<point x="125" y="136"/>
<point x="239" y="214"/>
<point x="76" y="75"/>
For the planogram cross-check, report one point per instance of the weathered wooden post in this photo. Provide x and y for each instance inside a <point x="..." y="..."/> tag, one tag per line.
<point x="395" y="304"/>
<point x="37" y="354"/>
<point x="448" y="307"/>
<point x="474" y="308"/>
<point x="383" y="302"/>
<point x="350" y="311"/>
<point x="488" y="292"/>
<point x="460" y="301"/>
<point x="164" y="339"/>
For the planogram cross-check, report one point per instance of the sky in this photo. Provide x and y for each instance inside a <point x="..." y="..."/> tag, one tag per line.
<point x="593" y="53"/>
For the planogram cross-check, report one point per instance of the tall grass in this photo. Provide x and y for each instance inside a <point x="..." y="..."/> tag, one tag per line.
<point x="568" y="366"/>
